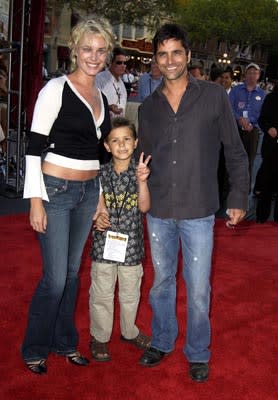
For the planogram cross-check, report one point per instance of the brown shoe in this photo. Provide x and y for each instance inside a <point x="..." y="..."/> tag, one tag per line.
<point x="141" y="341"/>
<point x="99" y="350"/>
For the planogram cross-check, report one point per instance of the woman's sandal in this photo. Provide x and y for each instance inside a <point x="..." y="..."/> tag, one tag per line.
<point x="37" y="367"/>
<point x="77" y="359"/>
<point x="99" y="350"/>
<point x="141" y="341"/>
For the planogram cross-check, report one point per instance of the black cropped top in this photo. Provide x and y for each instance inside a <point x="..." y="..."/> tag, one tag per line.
<point x="64" y="123"/>
<point x="65" y="126"/>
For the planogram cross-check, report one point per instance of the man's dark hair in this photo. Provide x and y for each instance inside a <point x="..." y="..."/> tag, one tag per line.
<point x="196" y="66"/>
<point x="117" y="51"/>
<point x="119" y="122"/>
<point x="229" y="71"/>
<point x="215" y="73"/>
<point x="170" y="31"/>
<point x="275" y="86"/>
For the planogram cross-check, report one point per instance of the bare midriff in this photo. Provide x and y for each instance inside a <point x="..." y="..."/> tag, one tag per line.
<point x="67" y="173"/>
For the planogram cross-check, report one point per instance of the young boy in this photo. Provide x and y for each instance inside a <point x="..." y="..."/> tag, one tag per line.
<point x="118" y="246"/>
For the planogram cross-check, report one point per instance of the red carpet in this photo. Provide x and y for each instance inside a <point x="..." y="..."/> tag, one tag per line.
<point x="244" y="321"/>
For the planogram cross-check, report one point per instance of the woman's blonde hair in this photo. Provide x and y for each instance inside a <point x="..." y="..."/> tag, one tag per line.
<point x="95" y="25"/>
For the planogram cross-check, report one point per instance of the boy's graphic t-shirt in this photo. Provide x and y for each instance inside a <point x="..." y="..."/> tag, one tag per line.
<point x="121" y="199"/>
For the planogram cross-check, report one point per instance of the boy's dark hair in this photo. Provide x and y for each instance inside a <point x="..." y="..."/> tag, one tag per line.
<point x="170" y="31"/>
<point x="117" y="51"/>
<point x="119" y="122"/>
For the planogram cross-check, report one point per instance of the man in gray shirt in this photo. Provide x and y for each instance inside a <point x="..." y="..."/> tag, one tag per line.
<point x="182" y="125"/>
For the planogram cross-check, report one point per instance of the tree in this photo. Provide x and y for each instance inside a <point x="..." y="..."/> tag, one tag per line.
<point x="136" y="12"/>
<point x="245" y="23"/>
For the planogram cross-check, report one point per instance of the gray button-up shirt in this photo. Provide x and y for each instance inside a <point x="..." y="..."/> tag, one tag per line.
<point x="185" y="151"/>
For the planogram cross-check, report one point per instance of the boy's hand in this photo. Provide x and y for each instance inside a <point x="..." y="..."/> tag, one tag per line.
<point x="143" y="171"/>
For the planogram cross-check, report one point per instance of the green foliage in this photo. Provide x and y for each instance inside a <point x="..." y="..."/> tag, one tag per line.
<point x="234" y="21"/>
<point x="133" y="12"/>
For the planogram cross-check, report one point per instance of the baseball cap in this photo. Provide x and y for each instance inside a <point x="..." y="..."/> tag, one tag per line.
<point x="253" y="65"/>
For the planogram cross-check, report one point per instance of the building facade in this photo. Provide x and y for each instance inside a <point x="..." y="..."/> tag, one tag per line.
<point x="137" y="43"/>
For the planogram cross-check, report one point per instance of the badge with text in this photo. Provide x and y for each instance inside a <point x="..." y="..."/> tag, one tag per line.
<point x="115" y="246"/>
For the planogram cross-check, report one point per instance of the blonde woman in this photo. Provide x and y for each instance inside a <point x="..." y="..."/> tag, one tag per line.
<point x="71" y="116"/>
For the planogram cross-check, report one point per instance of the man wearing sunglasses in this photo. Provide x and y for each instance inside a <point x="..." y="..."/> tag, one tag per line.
<point x="111" y="84"/>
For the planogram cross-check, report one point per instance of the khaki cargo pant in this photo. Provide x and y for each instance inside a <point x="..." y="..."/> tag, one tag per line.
<point x="101" y="304"/>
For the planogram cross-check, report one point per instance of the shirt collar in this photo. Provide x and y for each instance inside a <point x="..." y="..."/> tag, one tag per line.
<point x="256" y="88"/>
<point x="114" y="174"/>
<point x="155" y="79"/>
<point x="193" y="86"/>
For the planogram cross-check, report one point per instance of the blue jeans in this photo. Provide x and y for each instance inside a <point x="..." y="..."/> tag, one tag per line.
<point x="196" y="236"/>
<point x="70" y="209"/>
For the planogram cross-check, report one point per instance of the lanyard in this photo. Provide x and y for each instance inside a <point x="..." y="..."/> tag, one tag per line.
<point x="119" y="210"/>
<point x="118" y="92"/>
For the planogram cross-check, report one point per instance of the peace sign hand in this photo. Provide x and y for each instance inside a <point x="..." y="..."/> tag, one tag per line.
<point x="143" y="171"/>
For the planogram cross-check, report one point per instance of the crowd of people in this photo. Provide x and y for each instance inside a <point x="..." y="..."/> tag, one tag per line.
<point x="86" y="167"/>
<point x="248" y="103"/>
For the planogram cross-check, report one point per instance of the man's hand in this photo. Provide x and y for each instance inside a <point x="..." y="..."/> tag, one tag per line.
<point x="245" y="124"/>
<point x="115" y="109"/>
<point x="235" y="216"/>
<point x="272" y="132"/>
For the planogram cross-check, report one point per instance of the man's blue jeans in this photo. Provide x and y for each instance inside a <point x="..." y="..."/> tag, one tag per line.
<point x="51" y="316"/>
<point x="196" y="237"/>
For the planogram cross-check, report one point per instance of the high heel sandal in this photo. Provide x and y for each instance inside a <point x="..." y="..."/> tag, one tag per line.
<point x="77" y="359"/>
<point x="37" y="367"/>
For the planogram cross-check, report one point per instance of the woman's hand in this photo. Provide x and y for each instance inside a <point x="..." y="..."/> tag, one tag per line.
<point x="101" y="217"/>
<point x="101" y="223"/>
<point x="38" y="217"/>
